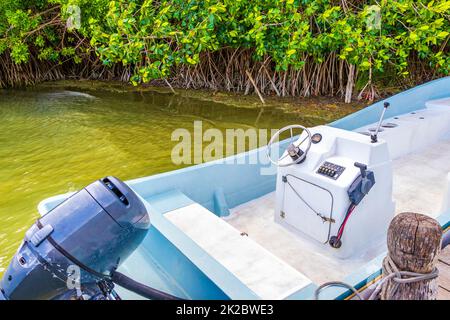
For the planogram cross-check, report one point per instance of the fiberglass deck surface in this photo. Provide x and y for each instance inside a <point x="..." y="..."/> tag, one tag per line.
<point x="261" y="271"/>
<point x="419" y="185"/>
<point x="255" y="218"/>
<point x="420" y="179"/>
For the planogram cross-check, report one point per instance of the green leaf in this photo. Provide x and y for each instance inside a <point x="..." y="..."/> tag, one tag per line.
<point x="413" y="36"/>
<point x="290" y="52"/>
<point x="442" y="34"/>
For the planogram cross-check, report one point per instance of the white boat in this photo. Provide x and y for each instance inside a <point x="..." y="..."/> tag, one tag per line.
<point x="226" y="230"/>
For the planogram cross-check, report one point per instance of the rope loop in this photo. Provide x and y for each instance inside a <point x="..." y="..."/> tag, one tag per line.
<point x="392" y="272"/>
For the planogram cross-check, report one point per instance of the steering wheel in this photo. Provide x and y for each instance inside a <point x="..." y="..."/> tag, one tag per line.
<point x="293" y="150"/>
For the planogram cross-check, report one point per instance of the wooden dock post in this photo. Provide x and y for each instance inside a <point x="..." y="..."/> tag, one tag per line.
<point x="414" y="244"/>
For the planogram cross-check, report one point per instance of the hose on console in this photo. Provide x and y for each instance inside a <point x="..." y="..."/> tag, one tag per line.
<point x="335" y="241"/>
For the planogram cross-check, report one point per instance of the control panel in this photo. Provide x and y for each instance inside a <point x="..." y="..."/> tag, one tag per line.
<point x="331" y="199"/>
<point x="330" y="170"/>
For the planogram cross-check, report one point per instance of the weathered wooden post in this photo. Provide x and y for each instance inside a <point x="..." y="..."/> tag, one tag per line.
<point x="414" y="244"/>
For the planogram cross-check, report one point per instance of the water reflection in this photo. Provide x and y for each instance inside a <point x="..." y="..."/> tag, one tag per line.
<point x="54" y="141"/>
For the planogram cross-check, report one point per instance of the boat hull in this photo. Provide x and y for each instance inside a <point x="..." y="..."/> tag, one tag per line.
<point x="168" y="260"/>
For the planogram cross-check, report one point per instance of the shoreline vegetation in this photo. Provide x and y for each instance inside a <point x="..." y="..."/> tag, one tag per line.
<point x="349" y="50"/>
<point x="325" y="109"/>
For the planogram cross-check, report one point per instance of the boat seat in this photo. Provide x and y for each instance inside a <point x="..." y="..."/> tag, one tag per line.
<point x="259" y="270"/>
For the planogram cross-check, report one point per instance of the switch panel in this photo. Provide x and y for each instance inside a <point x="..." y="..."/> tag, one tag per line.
<point x="330" y="170"/>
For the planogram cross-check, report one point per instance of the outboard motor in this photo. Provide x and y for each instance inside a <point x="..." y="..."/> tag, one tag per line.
<point x="73" y="251"/>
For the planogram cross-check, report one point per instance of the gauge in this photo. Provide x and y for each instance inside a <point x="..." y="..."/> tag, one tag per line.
<point x="316" y="138"/>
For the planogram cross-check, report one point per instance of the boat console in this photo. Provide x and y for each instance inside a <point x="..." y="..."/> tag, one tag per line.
<point x="334" y="188"/>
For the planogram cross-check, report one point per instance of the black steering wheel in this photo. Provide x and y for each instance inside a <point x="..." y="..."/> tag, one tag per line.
<point x="296" y="154"/>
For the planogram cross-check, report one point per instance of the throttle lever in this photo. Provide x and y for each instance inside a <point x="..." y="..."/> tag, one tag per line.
<point x="362" y="167"/>
<point x="374" y="136"/>
<point x="362" y="184"/>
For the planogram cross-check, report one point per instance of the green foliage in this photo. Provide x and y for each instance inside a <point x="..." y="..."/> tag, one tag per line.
<point x="154" y="37"/>
<point x="38" y="28"/>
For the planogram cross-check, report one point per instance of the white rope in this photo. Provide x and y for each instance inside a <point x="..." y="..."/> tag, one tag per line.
<point x="392" y="272"/>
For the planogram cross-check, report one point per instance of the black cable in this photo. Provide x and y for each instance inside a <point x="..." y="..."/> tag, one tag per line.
<point x="337" y="284"/>
<point x="344" y="221"/>
<point x="139" y="288"/>
<point x="70" y="257"/>
<point x="335" y="241"/>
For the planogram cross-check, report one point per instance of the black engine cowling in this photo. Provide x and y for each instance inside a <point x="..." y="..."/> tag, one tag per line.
<point x="78" y="244"/>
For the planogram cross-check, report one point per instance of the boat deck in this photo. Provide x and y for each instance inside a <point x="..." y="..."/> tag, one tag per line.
<point x="420" y="179"/>
<point x="265" y="274"/>
<point x="255" y="219"/>
<point x="419" y="144"/>
<point x="419" y="185"/>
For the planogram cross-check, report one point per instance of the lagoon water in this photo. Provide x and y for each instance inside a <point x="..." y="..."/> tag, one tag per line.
<point x="56" y="140"/>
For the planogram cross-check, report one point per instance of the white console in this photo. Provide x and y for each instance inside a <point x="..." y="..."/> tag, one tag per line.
<point x="312" y="197"/>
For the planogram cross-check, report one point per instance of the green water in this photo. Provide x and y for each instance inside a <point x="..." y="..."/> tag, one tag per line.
<point x="54" y="141"/>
